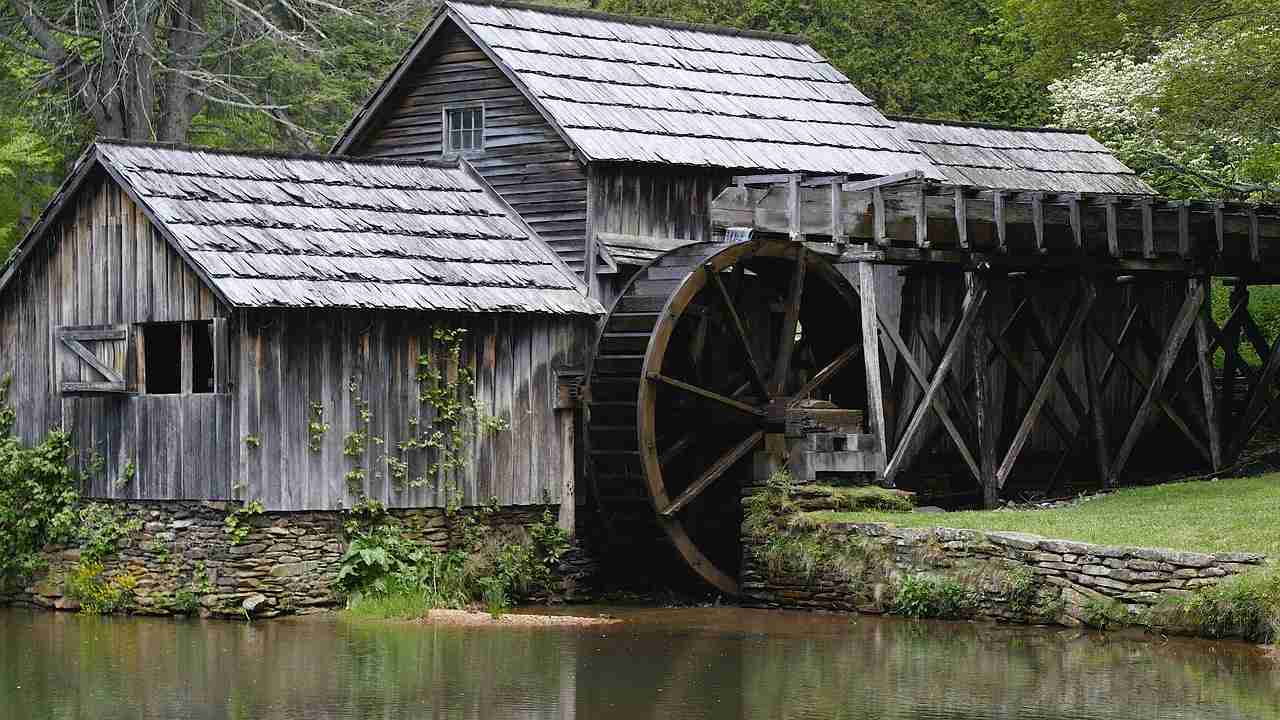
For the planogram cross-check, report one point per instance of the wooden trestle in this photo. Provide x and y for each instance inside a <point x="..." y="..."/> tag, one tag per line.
<point x="1072" y="328"/>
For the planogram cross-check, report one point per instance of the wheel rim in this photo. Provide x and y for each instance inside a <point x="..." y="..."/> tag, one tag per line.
<point x="770" y="382"/>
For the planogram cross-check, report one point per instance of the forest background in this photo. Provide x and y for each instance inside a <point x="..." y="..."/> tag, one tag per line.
<point x="1187" y="92"/>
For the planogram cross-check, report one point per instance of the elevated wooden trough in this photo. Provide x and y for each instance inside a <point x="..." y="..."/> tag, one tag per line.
<point x="1049" y="336"/>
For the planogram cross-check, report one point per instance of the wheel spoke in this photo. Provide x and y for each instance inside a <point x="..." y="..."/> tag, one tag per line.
<point x="817" y="381"/>
<point x="739" y="329"/>
<point x="713" y="473"/>
<point x="787" y="342"/>
<point x="705" y="393"/>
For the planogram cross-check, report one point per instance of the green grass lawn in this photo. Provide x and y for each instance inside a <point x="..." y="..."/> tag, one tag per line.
<point x="1225" y="515"/>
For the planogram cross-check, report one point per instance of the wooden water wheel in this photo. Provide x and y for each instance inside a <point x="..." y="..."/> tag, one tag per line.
<point x="709" y="349"/>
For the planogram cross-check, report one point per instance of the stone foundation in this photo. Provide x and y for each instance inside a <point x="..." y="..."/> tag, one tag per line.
<point x="286" y="564"/>
<point x="1013" y="577"/>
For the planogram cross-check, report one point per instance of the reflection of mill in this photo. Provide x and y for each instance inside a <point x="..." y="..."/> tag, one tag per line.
<point x="714" y="352"/>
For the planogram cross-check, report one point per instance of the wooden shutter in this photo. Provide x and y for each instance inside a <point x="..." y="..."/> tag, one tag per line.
<point x="93" y="358"/>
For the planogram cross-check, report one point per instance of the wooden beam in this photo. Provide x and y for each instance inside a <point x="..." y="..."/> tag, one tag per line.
<point x="1204" y="361"/>
<point x="997" y="212"/>
<point x="1184" y="229"/>
<point x="1230" y="341"/>
<point x="793" y="208"/>
<point x="975" y="298"/>
<point x="1113" y="233"/>
<point x="876" y="183"/>
<point x="870" y="319"/>
<point x="1046" y="384"/>
<point x="705" y="393"/>
<point x="1076" y="220"/>
<point x="1220" y="226"/>
<point x="1148" y="229"/>
<point x="566" y="519"/>
<point x="1037" y="221"/>
<point x="832" y="368"/>
<point x="740" y="330"/>
<point x="1173" y="345"/>
<point x="1255" y="242"/>
<point x="984" y="414"/>
<point x="878" y="228"/>
<point x="837" y="214"/>
<point x="713" y="473"/>
<point x="922" y="220"/>
<point x="1260" y="401"/>
<point x="790" y="320"/>
<point x="1094" y="383"/>
<point x="962" y="217"/>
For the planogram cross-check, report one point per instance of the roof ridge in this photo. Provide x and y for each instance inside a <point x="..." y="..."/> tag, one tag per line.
<point x="274" y="154"/>
<point x="637" y="20"/>
<point x="987" y="125"/>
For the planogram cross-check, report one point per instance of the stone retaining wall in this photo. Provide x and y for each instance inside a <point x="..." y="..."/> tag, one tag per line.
<point x="1015" y="577"/>
<point x="286" y="564"/>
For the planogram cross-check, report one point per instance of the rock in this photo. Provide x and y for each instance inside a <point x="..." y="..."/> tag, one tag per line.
<point x="253" y="602"/>
<point x="1064" y="547"/>
<point x="1239" y="557"/>
<point x="293" y="569"/>
<point x="1021" y="541"/>
<point x="929" y="509"/>
<point x="66" y="603"/>
<point x="47" y="588"/>
<point x="181" y="524"/>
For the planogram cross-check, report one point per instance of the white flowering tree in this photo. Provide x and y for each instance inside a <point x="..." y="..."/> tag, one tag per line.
<point x="1198" y="117"/>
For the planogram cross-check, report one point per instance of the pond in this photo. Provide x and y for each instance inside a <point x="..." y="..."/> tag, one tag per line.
<point x="662" y="663"/>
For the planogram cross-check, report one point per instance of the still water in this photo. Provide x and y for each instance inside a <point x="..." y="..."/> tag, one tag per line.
<point x="677" y="664"/>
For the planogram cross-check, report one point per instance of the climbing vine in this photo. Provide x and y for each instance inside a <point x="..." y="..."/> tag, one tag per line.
<point x="236" y="524"/>
<point x="316" y="427"/>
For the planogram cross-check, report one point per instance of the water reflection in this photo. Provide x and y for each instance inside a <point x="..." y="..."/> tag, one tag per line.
<point x="706" y="663"/>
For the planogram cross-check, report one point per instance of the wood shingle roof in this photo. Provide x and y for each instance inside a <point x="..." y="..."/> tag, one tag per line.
<point x="1045" y="159"/>
<point x="334" y="232"/>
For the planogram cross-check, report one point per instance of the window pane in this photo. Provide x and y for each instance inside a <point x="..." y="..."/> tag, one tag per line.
<point x="464" y="129"/>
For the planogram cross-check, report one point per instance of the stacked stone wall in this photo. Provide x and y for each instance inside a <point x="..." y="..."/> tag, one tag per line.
<point x="1013" y="577"/>
<point x="286" y="564"/>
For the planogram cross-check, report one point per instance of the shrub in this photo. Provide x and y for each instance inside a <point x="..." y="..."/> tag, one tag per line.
<point x="1105" y="614"/>
<point x="38" y="496"/>
<point x="1245" y="606"/>
<point x="924" y="596"/>
<point x="96" y="591"/>
<point x="101" y="528"/>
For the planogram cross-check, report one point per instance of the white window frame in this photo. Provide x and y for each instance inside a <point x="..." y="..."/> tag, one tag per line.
<point x="446" y="133"/>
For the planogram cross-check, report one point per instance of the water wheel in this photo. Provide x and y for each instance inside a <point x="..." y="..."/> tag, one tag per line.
<point x="709" y="349"/>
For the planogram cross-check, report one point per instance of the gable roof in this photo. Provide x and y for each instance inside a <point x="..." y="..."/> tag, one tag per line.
<point x="295" y="231"/>
<point x="622" y="89"/>
<point x="1048" y="159"/>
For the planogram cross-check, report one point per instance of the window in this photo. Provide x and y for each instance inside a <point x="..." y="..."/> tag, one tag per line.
<point x="176" y="358"/>
<point x="463" y="130"/>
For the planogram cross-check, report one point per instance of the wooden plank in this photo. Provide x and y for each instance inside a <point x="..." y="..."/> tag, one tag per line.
<point x="837" y="217"/>
<point x="1204" y="361"/>
<point x="984" y="411"/>
<point x="1148" y="229"/>
<point x="713" y="473"/>
<point x="1077" y="225"/>
<point x="706" y="394"/>
<point x="1173" y="345"/>
<point x="1037" y="221"/>
<point x="922" y="220"/>
<point x="740" y="331"/>
<point x="505" y="378"/>
<point x="962" y="217"/>
<point x="1260" y="402"/>
<point x="1184" y="230"/>
<point x="790" y="320"/>
<point x="998" y="217"/>
<point x="1255" y="242"/>
<point x="1113" y="234"/>
<point x="879" y="232"/>
<point x="1045" y="386"/>
<point x="1095" y="386"/>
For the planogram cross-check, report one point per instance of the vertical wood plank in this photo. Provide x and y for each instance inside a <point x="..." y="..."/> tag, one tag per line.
<point x="1204" y="364"/>
<point x="870" y="319"/>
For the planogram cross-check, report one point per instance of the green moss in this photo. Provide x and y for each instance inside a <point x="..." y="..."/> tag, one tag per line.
<point x="854" y="499"/>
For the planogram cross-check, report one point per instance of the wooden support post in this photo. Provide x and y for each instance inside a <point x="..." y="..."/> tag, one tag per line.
<point x="1231" y="360"/>
<point x="1113" y="233"/>
<point x="1255" y="242"/>
<point x="1204" y="361"/>
<point x="1097" y="413"/>
<point x="984" y="413"/>
<point x="1168" y="357"/>
<point x="1184" y="229"/>
<point x="837" y="215"/>
<point x="1148" y="230"/>
<point x="962" y="218"/>
<point x="870" y="318"/>
<point x="1047" y="382"/>
<point x="1219" y="226"/>
<point x="1077" y="228"/>
<point x="1002" y="231"/>
<point x="1260" y="401"/>
<point x="568" y="497"/>
<point x="793" y="208"/>
<point x="1037" y="221"/>
<point x="877" y="219"/>
<point x="922" y="220"/>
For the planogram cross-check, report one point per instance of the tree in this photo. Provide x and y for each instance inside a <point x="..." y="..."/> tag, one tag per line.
<point x="145" y="69"/>
<point x="1197" y="117"/>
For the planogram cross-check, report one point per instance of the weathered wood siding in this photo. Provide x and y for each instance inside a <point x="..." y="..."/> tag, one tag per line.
<point x="662" y="202"/>
<point x="104" y="263"/>
<point x="290" y="359"/>
<point x="524" y="158"/>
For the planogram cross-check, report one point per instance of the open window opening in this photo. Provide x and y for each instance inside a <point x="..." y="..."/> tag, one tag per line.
<point x="177" y="358"/>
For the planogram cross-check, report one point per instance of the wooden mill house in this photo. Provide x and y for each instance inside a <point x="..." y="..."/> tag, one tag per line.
<point x="711" y="234"/>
